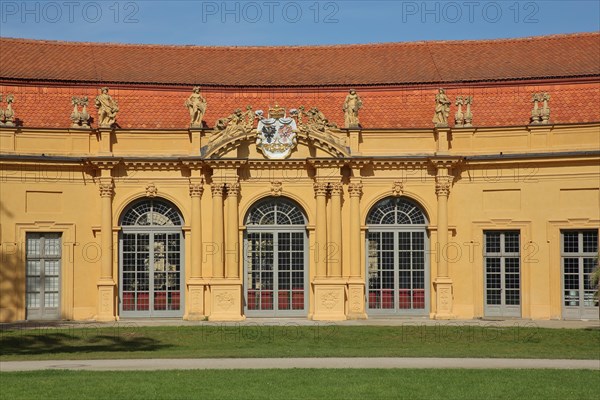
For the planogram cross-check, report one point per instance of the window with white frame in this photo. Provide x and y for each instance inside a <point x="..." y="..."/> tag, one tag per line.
<point x="43" y="261"/>
<point x="397" y="259"/>
<point x="579" y="257"/>
<point x="502" y="267"/>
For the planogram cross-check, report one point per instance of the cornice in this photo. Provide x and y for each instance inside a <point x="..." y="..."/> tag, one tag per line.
<point x="225" y="163"/>
<point x="277" y="164"/>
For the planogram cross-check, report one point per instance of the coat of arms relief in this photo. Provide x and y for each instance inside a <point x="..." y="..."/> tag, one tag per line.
<point x="276" y="135"/>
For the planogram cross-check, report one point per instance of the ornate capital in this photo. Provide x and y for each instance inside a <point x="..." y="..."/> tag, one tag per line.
<point x="276" y="188"/>
<point x="355" y="189"/>
<point x="106" y="189"/>
<point x="196" y="189"/>
<point x="443" y="183"/>
<point x="233" y="189"/>
<point x="217" y="189"/>
<point x="320" y="188"/>
<point x="397" y="188"/>
<point x="151" y="190"/>
<point x="336" y="188"/>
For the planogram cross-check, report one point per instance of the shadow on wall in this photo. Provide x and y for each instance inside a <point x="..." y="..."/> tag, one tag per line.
<point x="12" y="297"/>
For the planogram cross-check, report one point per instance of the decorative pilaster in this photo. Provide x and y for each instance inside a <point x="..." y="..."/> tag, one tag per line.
<point x="355" y="191"/>
<point x="217" y="228"/>
<point x="321" y="229"/>
<point x="195" y="284"/>
<point x="330" y="288"/>
<point x="232" y="247"/>
<point x="225" y="286"/>
<point x="106" y="284"/>
<point x="443" y="283"/>
<point x="334" y="256"/>
<point x="356" y="285"/>
<point x="196" y="191"/>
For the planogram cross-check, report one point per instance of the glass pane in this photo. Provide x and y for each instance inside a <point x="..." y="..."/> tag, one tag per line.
<point x="571" y="298"/>
<point x="589" y="265"/>
<point x="492" y="265"/>
<point x="174" y="301"/>
<point x="51" y="284"/>
<point x="418" y="239"/>
<point x="33" y="245"/>
<point x="33" y="284"/>
<point x="33" y="267"/>
<point x="51" y="246"/>
<point x="173" y="279"/>
<point x="571" y="265"/>
<point x="512" y="297"/>
<point x="493" y="297"/>
<point x="511" y="266"/>
<point x="51" y="268"/>
<point x="404" y="242"/>
<point x="571" y="281"/>
<point x="33" y="300"/>
<point x="590" y="241"/>
<point x="511" y="242"/>
<point x="143" y="242"/>
<point x="50" y="300"/>
<point x="571" y="242"/>
<point x="492" y="242"/>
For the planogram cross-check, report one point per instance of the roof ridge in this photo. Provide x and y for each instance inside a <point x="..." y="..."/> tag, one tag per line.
<point x="314" y="47"/>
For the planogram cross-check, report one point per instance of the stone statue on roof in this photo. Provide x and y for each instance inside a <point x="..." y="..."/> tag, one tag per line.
<point x="317" y="120"/>
<point x="233" y="125"/>
<point x="196" y="105"/>
<point x="442" y="109"/>
<point x="351" y="106"/>
<point x="107" y="109"/>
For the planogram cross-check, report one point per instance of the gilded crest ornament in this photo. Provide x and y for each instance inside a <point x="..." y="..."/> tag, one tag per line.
<point x="276" y="135"/>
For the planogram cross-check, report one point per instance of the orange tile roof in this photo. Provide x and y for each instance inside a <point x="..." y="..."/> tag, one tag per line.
<point x="557" y="56"/>
<point x="390" y="107"/>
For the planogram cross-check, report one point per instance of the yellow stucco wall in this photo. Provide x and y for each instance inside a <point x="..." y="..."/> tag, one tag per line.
<point x="537" y="180"/>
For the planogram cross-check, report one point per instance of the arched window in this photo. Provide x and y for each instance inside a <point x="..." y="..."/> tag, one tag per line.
<point x="396" y="211"/>
<point x="151" y="213"/>
<point x="397" y="259"/>
<point x="151" y="260"/>
<point x="275" y="212"/>
<point x="275" y="248"/>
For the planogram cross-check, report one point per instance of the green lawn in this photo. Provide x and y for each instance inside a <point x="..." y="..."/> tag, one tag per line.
<point x="298" y="341"/>
<point x="304" y="384"/>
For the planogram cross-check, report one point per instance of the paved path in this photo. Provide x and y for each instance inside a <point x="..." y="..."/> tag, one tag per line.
<point x="285" y="363"/>
<point x="374" y="321"/>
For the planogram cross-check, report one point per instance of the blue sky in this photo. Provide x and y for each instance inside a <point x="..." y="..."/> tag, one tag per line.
<point x="300" y="22"/>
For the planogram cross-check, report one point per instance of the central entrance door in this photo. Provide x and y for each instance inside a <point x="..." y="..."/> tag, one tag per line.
<point x="151" y="261"/>
<point x="275" y="259"/>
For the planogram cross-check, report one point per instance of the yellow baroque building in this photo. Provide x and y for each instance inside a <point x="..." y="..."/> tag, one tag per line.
<point x="337" y="182"/>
